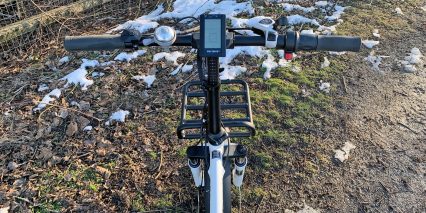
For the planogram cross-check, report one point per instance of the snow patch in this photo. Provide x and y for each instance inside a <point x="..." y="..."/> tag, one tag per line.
<point x="97" y="74"/>
<point x="148" y="79"/>
<point x="298" y="19"/>
<point x="78" y="76"/>
<point x="88" y="128"/>
<point x="325" y="86"/>
<point x="325" y="63"/>
<point x="64" y="60"/>
<point x="290" y="7"/>
<point x="119" y="116"/>
<point x="230" y="72"/>
<point x="172" y="57"/>
<point x="129" y="56"/>
<point x="342" y="154"/>
<point x="375" y="60"/>
<point x="269" y="64"/>
<point x="42" y="87"/>
<point x="54" y="94"/>
<point x="399" y="11"/>
<point x="141" y="24"/>
<point x="376" y="33"/>
<point x="187" y="68"/>
<point x="414" y="59"/>
<point x="183" y="8"/>
<point x="370" y="43"/>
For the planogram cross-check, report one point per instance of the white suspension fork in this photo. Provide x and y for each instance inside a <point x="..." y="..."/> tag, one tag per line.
<point x="216" y="172"/>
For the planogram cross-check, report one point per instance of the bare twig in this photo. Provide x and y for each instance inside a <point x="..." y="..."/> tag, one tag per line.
<point x="74" y="110"/>
<point x="260" y="203"/>
<point x="345" y="87"/>
<point x="159" y="167"/>
<point x="49" y="15"/>
<point x="407" y="127"/>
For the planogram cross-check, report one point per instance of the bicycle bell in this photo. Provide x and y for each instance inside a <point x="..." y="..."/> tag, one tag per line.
<point x="164" y="36"/>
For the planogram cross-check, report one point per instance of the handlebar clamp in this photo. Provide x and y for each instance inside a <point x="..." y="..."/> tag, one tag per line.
<point x="131" y="38"/>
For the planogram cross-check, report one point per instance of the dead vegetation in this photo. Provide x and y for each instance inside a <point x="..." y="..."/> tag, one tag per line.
<point x="49" y="164"/>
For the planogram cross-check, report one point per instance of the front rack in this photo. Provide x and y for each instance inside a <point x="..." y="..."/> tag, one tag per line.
<point x="191" y="128"/>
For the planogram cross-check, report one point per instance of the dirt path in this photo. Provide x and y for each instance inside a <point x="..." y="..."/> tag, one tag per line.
<point x="385" y="117"/>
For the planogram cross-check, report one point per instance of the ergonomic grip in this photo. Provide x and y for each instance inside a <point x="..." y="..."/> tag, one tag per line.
<point x="94" y="42"/>
<point x="339" y="43"/>
<point x="295" y="42"/>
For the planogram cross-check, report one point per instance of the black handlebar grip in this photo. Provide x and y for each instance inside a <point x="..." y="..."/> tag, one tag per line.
<point x="94" y="42"/>
<point x="339" y="43"/>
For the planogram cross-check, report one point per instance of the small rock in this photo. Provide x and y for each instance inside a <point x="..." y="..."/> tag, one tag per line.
<point x="84" y="105"/>
<point x="82" y="122"/>
<point x="63" y="113"/>
<point x="12" y="166"/>
<point x="71" y="129"/>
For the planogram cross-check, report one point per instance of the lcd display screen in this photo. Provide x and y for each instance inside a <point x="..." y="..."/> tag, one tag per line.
<point x="212" y="35"/>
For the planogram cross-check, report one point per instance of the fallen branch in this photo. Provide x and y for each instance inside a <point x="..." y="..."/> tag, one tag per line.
<point x="74" y="110"/>
<point x="159" y="167"/>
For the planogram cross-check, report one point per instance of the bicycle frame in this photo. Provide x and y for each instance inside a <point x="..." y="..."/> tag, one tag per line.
<point x="216" y="136"/>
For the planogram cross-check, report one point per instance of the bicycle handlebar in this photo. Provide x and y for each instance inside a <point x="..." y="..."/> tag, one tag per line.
<point x="290" y="42"/>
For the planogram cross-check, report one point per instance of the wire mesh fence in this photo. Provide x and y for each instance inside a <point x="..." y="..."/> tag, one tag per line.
<point x="29" y="26"/>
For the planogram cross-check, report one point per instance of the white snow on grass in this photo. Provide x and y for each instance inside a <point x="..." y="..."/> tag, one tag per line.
<point x="78" y="77"/>
<point x="290" y="7"/>
<point x="42" y="87"/>
<point x="325" y="63"/>
<point x="231" y="72"/>
<point x="342" y="154"/>
<point x="129" y="56"/>
<point x="53" y="95"/>
<point x="424" y="8"/>
<point x="97" y="74"/>
<point x="183" y="8"/>
<point x="325" y="86"/>
<point x="171" y="57"/>
<point x="148" y="79"/>
<point x="338" y="11"/>
<point x="399" y="11"/>
<point x="414" y="59"/>
<point x="176" y="71"/>
<point x="142" y="24"/>
<point x="376" y="33"/>
<point x="269" y="64"/>
<point x="375" y="61"/>
<point x="298" y="19"/>
<point x="321" y="3"/>
<point x="370" y="43"/>
<point x="64" y="60"/>
<point x="107" y="63"/>
<point x="87" y="128"/>
<point x="187" y="68"/>
<point x="119" y="116"/>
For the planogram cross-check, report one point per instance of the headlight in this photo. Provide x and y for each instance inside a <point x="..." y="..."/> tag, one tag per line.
<point x="164" y="36"/>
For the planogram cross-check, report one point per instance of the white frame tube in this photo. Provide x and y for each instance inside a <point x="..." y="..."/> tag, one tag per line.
<point x="216" y="172"/>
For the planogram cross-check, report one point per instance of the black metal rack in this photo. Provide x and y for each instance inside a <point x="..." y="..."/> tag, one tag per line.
<point x="196" y="124"/>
